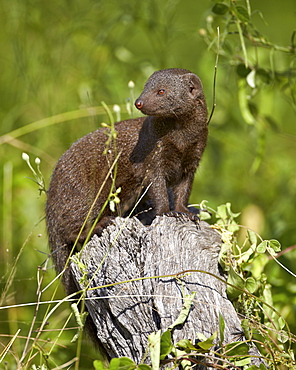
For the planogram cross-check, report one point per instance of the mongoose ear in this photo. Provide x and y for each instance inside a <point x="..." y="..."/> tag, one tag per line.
<point x="194" y="84"/>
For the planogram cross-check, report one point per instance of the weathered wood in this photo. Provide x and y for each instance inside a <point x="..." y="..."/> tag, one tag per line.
<point x="125" y="314"/>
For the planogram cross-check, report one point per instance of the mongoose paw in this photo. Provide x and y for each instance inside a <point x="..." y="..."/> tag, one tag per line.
<point x="184" y="215"/>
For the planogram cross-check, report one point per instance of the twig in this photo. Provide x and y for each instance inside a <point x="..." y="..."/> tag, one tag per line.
<point x="215" y="77"/>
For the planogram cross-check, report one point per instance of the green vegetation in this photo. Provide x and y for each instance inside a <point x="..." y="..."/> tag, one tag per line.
<point x="60" y="59"/>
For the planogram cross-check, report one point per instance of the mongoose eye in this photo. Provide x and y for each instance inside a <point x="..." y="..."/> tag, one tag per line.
<point x="161" y="92"/>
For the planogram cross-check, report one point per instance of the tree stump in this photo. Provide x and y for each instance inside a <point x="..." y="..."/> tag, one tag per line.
<point x="126" y="313"/>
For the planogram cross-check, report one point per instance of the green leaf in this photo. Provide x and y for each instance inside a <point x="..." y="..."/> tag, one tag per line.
<point x="251" y="284"/>
<point x="281" y="322"/>
<point x="166" y="344"/>
<point x="275" y="245"/>
<point x="247" y="256"/>
<point x="236" y="280"/>
<point x="242" y="362"/>
<point x="186" y="345"/>
<point x="201" y="337"/>
<point x="208" y="343"/>
<point x="221" y="328"/>
<point x="242" y="13"/>
<point x="267" y="297"/>
<point x="126" y="363"/>
<point x="203" y="215"/>
<point x="122" y="363"/>
<point x="237" y="349"/>
<point x="232" y="214"/>
<point x="221" y="211"/>
<point x="233" y="227"/>
<point x="154" y="346"/>
<point x="98" y="365"/>
<point x="184" y="311"/>
<point x="224" y="212"/>
<point x="144" y="367"/>
<point x="261" y="248"/>
<point x="220" y="9"/>
<point x="252" y="236"/>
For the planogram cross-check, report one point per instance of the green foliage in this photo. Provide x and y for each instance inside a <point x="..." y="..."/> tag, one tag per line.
<point x="60" y="60"/>
<point x="122" y="363"/>
<point x="250" y="292"/>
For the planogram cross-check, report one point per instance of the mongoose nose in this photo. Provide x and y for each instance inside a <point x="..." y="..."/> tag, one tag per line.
<point x="139" y="104"/>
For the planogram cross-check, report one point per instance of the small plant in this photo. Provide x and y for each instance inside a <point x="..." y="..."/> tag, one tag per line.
<point x="244" y="260"/>
<point x="38" y="177"/>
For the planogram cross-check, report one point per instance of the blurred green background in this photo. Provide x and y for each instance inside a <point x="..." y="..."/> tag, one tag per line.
<point x="60" y="56"/>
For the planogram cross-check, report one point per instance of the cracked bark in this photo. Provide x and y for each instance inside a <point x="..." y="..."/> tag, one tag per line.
<point x="125" y="314"/>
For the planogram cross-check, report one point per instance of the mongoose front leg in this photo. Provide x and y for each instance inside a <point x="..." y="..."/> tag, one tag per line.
<point x="181" y="194"/>
<point x="159" y="195"/>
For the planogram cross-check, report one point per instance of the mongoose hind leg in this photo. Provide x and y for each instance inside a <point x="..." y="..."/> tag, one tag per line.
<point x="98" y="229"/>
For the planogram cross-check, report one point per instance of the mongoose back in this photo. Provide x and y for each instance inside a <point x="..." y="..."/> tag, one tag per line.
<point x="158" y="152"/>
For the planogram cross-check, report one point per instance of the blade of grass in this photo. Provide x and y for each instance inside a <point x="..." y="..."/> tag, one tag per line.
<point x="49" y="121"/>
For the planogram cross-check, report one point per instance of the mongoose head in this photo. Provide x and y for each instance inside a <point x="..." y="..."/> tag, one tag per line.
<point x="171" y="92"/>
